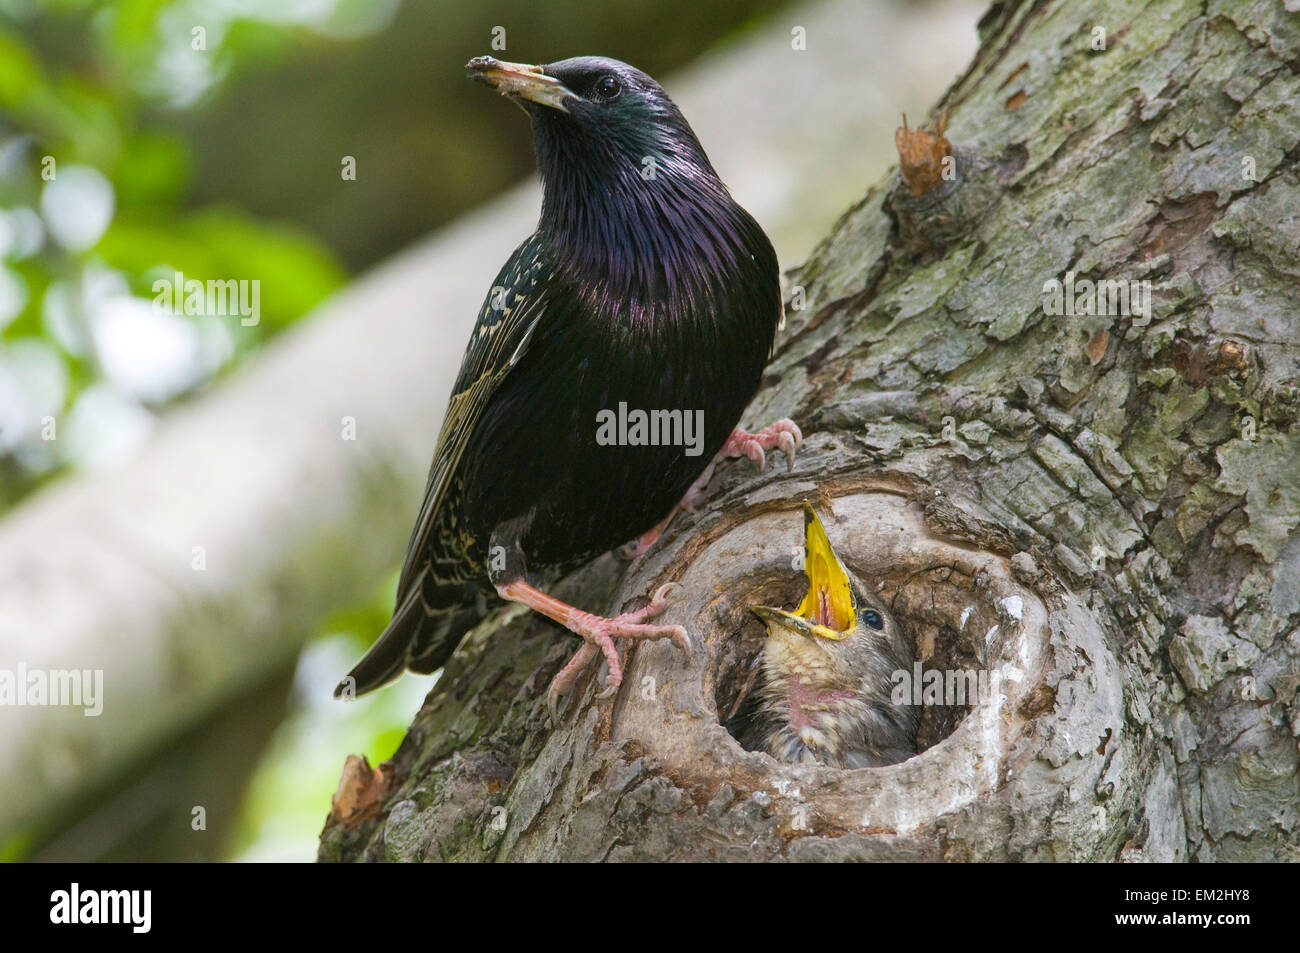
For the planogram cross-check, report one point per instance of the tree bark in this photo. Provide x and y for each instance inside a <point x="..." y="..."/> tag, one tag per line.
<point x="1096" y="509"/>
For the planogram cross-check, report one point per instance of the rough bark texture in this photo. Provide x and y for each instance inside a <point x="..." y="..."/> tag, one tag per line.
<point x="1097" y="510"/>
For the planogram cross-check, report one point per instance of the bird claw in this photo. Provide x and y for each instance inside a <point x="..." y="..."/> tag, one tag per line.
<point x="786" y="442"/>
<point x="659" y="600"/>
<point x="599" y="634"/>
<point x="682" y="639"/>
<point x="783" y="435"/>
<point x="563" y="681"/>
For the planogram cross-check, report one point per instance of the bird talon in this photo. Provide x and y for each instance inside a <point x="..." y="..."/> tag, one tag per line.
<point x="789" y="426"/>
<point x="682" y="639"/>
<point x="660" y="598"/>
<point x="598" y="635"/>
<point x="564" y="679"/>
<point x="787" y="444"/>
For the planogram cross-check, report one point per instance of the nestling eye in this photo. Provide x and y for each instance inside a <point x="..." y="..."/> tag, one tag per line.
<point x="872" y="618"/>
<point x="608" y="87"/>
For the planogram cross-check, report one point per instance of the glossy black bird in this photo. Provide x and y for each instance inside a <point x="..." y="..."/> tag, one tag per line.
<point x="644" y="288"/>
<point x="827" y="694"/>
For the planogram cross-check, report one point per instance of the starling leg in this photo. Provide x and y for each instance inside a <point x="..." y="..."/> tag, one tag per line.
<point x="598" y="633"/>
<point x="784" y="434"/>
<point x="688" y="503"/>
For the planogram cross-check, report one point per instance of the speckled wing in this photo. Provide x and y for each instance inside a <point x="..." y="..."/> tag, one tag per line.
<point x="517" y="302"/>
<point x="505" y="326"/>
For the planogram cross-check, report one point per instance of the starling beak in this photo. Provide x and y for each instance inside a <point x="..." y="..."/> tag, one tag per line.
<point x="827" y="670"/>
<point x="644" y="287"/>
<point x="520" y="80"/>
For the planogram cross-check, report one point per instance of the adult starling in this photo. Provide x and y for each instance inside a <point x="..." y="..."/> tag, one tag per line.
<point x="827" y="669"/>
<point x="645" y="290"/>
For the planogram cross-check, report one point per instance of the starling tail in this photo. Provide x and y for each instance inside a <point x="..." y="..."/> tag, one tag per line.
<point x="419" y="638"/>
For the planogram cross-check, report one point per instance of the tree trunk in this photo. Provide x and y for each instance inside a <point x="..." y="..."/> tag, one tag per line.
<point x="1095" y="506"/>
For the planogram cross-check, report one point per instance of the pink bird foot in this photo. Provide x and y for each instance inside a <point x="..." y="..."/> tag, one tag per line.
<point x="784" y="435"/>
<point x="598" y="634"/>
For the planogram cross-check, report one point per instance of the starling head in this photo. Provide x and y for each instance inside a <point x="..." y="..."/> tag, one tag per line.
<point x="828" y="669"/>
<point x="632" y="211"/>
<point x="598" y="116"/>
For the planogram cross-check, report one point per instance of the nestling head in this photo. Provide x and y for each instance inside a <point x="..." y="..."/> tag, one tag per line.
<point x="827" y="670"/>
<point x="829" y="641"/>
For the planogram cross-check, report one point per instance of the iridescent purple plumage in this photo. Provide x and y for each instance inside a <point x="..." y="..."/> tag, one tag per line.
<point x="645" y="286"/>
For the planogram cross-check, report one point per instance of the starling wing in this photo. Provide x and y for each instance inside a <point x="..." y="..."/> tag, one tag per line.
<point x="437" y="599"/>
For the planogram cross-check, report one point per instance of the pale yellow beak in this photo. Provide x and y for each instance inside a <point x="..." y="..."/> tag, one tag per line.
<point x="520" y="80"/>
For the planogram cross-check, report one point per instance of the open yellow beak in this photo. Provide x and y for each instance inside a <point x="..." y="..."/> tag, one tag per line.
<point x="520" y="80"/>
<point x="827" y="610"/>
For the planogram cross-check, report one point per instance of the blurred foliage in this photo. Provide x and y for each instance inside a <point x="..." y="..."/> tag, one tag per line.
<point x="95" y="207"/>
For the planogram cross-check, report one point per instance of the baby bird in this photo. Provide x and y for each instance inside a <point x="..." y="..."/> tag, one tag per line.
<point x="826" y="670"/>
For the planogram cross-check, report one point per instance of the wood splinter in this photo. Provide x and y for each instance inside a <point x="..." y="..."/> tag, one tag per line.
<point x="924" y="159"/>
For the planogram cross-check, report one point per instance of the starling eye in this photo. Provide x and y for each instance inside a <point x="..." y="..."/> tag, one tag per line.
<point x="608" y="87"/>
<point x="872" y="618"/>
